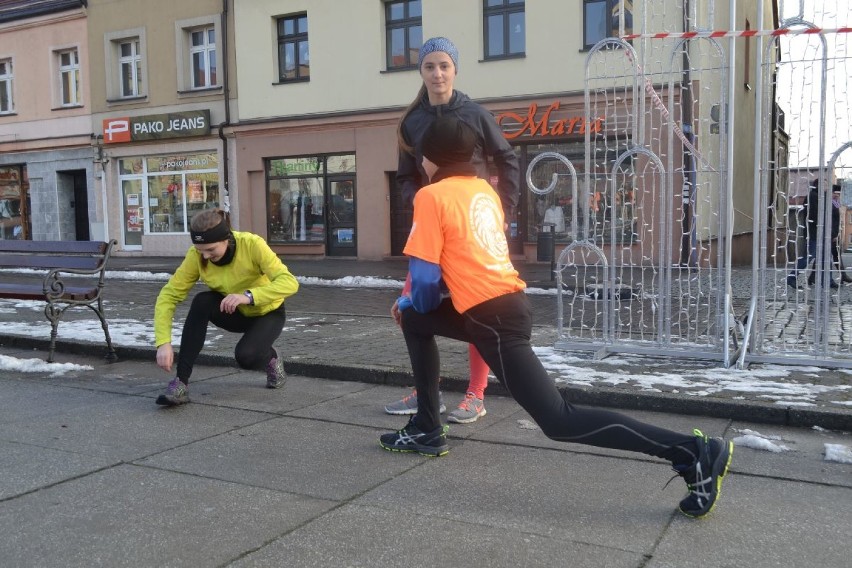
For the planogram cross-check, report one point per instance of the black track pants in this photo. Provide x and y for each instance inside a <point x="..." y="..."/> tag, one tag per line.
<point x="254" y="349"/>
<point x="500" y="329"/>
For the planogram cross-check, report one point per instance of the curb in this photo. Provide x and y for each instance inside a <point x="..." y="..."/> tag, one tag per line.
<point x="747" y="411"/>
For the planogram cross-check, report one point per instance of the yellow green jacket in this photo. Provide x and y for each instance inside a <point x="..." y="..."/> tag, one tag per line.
<point x="255" y="267"/>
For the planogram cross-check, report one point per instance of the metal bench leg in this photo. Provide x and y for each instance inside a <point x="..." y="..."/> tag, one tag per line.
<point x="111" y="355"/>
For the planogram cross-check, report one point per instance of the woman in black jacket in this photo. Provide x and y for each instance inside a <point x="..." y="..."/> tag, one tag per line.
<point x="438" y="64"/>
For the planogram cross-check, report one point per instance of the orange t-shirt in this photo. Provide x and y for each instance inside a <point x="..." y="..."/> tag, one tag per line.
<point x="458" y="224"/>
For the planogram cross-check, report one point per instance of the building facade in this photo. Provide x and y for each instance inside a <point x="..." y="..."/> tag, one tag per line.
<point x="161" y="94"/>
<point x="323" y="85"/>
<point x="46" y="172"/>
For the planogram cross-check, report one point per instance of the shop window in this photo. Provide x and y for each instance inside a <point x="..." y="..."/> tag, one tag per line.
<point x="69" y="78"/>
<point x="14" y="204"/>
<point x="167" y="191"/>
<point x="310" y="199"/>
<point x="126" y="70"/>
<point x="606" y="209"/>
<point x="294" y="61"/>
<point x="601" y="20"/>
<point x="6" y="101"/>
<point x="404" y="33"/>
<point x="505" y="28"/>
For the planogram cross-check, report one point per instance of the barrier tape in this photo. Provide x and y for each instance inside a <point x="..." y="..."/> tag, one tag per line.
<point x="738" y="33"/>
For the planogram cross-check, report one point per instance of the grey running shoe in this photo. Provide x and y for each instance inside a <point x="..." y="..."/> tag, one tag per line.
<point x="408" y="404"/>
<point x="704" y="477"/>
<point x="275" y="375"/>
<point x="469" y="410"/>
<point x="412" y="439"/>
<point x="176" y="393"/>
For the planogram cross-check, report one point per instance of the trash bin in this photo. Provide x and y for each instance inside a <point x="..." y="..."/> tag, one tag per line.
<point x="546" y="245"/>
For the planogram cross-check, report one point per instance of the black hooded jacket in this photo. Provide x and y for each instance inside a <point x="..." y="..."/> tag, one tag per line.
<point x="491" y="145"/>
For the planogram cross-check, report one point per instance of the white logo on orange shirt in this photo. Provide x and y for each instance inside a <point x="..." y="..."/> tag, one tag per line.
<point x="486" y="226"/>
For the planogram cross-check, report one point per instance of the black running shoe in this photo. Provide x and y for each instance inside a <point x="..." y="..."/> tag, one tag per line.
<point x="412" y="439"/>
<point x="704" y="477"/>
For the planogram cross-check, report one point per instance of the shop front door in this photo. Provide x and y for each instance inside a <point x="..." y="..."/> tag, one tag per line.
<point x="341" y="233"/>
<point x="133" y="213"/>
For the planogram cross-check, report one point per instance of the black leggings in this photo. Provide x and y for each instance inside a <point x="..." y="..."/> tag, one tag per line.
<point x="254" y="349"/>
<point x="500" y="328"/>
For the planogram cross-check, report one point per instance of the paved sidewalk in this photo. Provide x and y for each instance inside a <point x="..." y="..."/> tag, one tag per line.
<point x="346" y="333"/>
<point x="93" y="473"/>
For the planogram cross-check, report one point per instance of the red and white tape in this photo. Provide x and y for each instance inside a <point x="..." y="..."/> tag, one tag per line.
<point x="738" y="33"/>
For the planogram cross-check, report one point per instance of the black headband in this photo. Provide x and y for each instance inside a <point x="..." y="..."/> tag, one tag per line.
<point x="219" y="233"/>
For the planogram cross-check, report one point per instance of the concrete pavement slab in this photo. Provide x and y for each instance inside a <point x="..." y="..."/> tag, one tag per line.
<point x="592" y="499"/>
<point x="762" y="522"/>
<point x="25" y="468"/>
<point x="366" y="407"/>
<point x="247" y="390"/>
<point x="139" y="516"/>
<point x="370" y="536"/>
<point x="308" y="457"/>
<point x="112" y="426"/>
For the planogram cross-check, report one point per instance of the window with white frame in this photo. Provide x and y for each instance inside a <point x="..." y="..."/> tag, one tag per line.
<point x="601" y="19"/>
<point x="69" y="77"/>
<point x="6" y="101"/>
<point x="130" y="66"/>
<point x="202" y="51"/>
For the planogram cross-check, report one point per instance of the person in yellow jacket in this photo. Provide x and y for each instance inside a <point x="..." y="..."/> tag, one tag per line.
<point x="248" y="285"/>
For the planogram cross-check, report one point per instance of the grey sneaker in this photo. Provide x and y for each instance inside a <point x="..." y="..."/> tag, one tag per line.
<point x="469" y="410"/>
<point x="275" y="375"/>
<point x="408" y="404"/>
<point x="176" y="393"/>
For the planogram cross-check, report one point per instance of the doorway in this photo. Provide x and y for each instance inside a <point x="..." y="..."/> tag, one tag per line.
<point x="401" y="217"/>
<point x="341" y="235"/>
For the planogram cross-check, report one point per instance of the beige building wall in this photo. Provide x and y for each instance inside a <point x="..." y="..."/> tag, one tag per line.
<point x="39" y="120"/>
<point x="348" y="55"/>
<point x="161" y="28"/>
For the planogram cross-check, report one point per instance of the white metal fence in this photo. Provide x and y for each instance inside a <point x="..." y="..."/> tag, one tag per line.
<point x="686" y="216"/>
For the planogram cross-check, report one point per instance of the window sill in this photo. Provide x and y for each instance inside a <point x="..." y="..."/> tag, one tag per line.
<point x="200" y="92"/>
<point x="400" y="69"/>
<point x="67" y="107"/>
<point x="503" y="57"/>
<point x="291" y="81"/>
<point x="138" y="99"/>
<point x="11" y="113"/>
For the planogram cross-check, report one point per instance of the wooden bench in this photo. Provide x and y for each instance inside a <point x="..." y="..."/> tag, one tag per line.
<point x="75" y="278"/>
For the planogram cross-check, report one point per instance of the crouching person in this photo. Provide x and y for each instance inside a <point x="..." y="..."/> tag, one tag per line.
<point x="247" y="283"/>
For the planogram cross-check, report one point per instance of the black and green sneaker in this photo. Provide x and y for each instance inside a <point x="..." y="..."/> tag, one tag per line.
<point x="412" y="439"/>
<point x="704" y="477"/>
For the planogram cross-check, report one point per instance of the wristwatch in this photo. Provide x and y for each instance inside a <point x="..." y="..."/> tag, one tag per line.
<point x="249" y="295"/>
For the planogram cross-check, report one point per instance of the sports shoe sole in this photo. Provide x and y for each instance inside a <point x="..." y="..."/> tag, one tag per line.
<point x="410" y="411"/>
<point x="429" y="451"/>
<point x="164" y="400"/>
<point x="474" y="418"/>
<point x="720" y="468"/>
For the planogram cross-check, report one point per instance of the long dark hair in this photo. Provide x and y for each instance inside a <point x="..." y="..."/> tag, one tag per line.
<point x="400" y="137"/>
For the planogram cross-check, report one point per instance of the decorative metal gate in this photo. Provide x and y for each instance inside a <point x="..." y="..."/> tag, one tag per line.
<point x="674" y="190"/>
